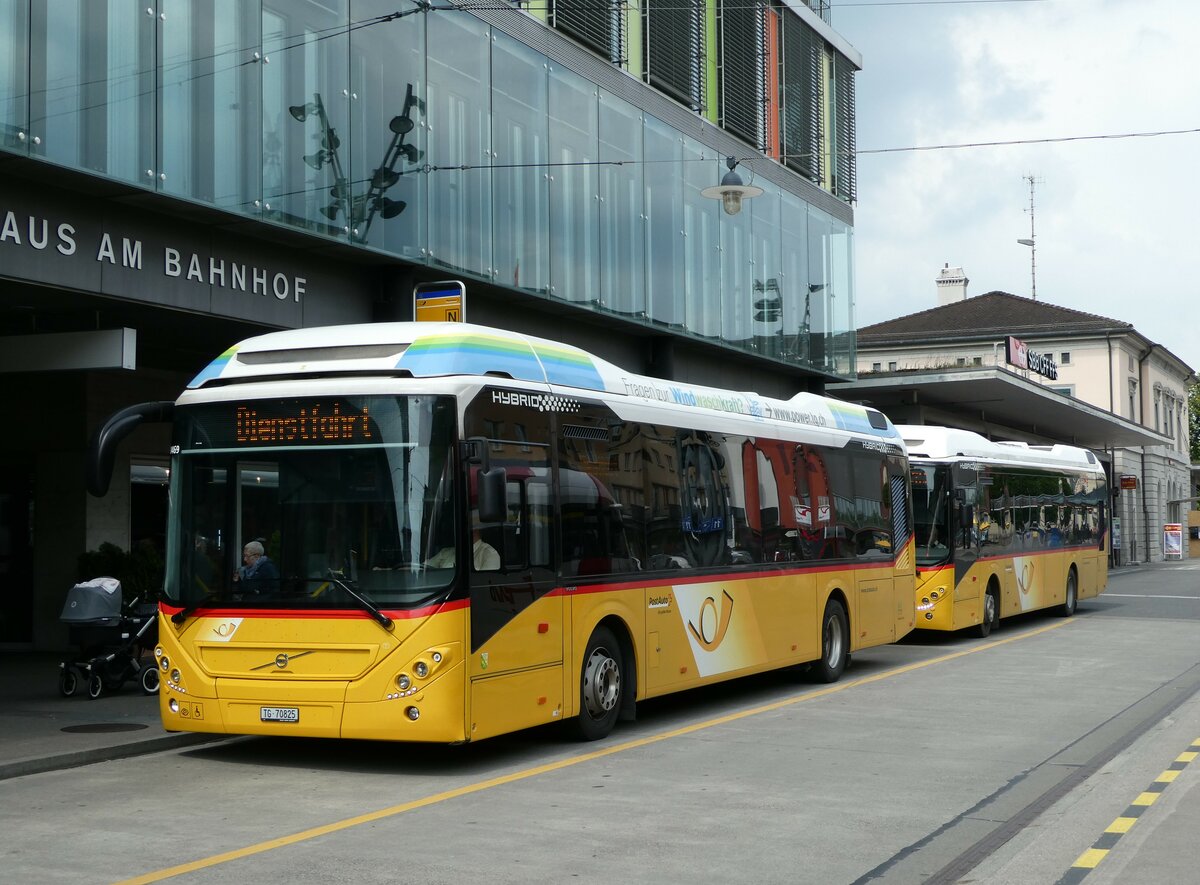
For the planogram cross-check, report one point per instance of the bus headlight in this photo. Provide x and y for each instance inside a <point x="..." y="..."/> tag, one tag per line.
<point x="421" y="669"/>
<point x="165" y="663"/>
<point x="403" y="682"/>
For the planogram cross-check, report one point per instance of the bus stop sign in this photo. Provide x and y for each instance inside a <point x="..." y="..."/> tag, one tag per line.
<point x="441" y="302"/>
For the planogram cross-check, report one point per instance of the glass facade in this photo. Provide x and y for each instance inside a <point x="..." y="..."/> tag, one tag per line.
<point x="428" y="135"/>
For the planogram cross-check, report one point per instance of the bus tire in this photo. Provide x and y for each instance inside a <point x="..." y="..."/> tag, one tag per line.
<point x="1071" y="600"/>
<point x="600" y="686"/>
<point x="835" y="643"/>
<point x="991" y="613"/>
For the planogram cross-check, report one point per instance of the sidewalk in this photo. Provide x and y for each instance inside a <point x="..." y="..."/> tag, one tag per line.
<point x="40" y="730"/>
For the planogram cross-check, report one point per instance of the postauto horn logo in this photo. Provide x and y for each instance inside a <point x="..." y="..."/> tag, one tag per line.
<point x="714" y="622"/>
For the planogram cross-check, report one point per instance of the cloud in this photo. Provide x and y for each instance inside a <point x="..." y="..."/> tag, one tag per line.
<point x="1117" y="220"/>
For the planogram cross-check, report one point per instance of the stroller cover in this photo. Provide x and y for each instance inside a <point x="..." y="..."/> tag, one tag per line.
<point x="97" y="602"/>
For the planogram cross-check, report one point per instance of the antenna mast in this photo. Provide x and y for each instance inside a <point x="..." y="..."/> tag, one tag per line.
<point x="1032" y="241"/>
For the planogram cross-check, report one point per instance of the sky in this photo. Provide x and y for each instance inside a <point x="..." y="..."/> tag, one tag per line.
<point x="1117" y="219"/>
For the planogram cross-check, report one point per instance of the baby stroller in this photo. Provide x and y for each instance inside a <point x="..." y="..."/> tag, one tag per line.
<point x="111" y="638"/>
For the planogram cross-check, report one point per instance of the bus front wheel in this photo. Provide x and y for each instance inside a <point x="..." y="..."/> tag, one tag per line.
<point x="1072" y="595"/>
<point x="991" y="612"/>
<point x="600" y="686"/>
<point x="835" y="643"/>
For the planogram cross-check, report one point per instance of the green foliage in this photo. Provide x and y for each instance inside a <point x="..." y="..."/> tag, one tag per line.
<point x="140" y="570"/>
<point x="1194" y="421"/>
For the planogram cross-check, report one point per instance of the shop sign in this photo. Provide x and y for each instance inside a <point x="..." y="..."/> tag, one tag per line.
<point x="1018" y="354"/>
<point x="1128" y="482"/>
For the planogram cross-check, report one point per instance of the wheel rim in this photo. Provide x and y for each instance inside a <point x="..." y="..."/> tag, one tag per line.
<point x="989" y="610"/>
<point x="834" y="640"/>
<point x="601" y="684"/>
<point x="150" y="680"/>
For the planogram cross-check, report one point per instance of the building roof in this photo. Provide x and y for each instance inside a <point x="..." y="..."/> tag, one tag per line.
<point x="988" y="316"/>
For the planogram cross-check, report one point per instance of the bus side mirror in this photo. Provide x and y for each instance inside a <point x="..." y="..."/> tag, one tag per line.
<point x="493" y="504"/>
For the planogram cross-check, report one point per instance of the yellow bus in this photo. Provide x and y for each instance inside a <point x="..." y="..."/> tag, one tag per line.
<point x="444" y="532"/>
<point x="1003" y="528"/>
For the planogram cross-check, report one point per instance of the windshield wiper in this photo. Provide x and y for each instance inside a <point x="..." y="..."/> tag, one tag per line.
<point x="368" y="606"/>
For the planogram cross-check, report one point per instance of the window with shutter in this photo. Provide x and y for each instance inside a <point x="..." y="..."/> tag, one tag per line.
<point x="597" y="24"/>
<point x="740" y="60"/>
<point x="843" y="160"/>
<point x="802" y="87"/>
<point x="673" y="49"/>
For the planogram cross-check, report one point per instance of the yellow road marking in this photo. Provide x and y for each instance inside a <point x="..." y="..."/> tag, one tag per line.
<point x="393" y="810"/>
<point x="1090" y="858"/>
<point x="1186" y="757"/>
<point x="1166" y="777"/>
<point x="1146" y="799"/>
<point x="1121" y="825"/>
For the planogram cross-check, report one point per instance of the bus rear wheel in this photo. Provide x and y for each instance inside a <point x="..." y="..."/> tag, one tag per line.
<point x="991" y="614"/>
<point x="600" y="686"/>
<point x="1072" y="595"/>
<point x="835" y="643"/>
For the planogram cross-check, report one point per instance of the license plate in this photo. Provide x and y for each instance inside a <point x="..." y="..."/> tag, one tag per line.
<point x="279" y="714"/>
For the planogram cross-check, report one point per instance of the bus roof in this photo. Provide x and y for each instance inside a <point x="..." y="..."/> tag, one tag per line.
<point x="949" y="444"/>
<point x="438" y="350"/>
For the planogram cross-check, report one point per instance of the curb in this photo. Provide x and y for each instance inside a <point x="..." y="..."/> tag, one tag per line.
<point x="39" y="765"/>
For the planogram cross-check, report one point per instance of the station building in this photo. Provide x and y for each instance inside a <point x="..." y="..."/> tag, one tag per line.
<point x="176" y="175"/>
<point x="1016" y="368"/>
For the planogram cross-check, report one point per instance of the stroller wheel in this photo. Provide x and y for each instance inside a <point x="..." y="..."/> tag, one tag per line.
<point x="149" y="678"/>
<point x="95" y="686"/>
<point x="67" y="682"/>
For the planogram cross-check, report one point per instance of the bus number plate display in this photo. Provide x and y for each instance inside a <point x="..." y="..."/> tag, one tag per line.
<point x="279" y="714"/>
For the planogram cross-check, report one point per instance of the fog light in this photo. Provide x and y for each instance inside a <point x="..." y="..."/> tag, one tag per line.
<point x="403" y="682"/>
<point x="437" y="657"/>
<point x="176" y="676"/>
<point x="165" y="663"/>
<point x="174" y="705"/>
<point x="929" y="616"/>
<point x="413" y="713"/>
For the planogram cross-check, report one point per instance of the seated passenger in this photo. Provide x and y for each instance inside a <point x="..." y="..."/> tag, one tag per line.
<point x="257" y="574"/>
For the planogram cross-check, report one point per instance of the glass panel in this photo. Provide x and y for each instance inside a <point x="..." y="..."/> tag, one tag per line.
<point x="521" y="227"/>
<point x="622" y="219"/>
<point x="574" y="201"/>
<point x="842" y="299"/>
<point x="210" y="92"/>
<point x="14" y="75"/>
<point x="460" y="208"/>
<point x="386" y="198"/>
<point x="92" y="86"/>
<point x="820" y="285"/>
<point x="767" y="319"/>
<point x="830" y="256"/>
<point x="737" y="276"/>
<point x="664" y="223"/>
<point x="701" y="242"/>
<point x="306" y="114"/>
<point x="793" y="283"/>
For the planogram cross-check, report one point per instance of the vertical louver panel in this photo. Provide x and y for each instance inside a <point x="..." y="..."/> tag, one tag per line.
<point x="845" y="165"/>
<point x="740" y="62"/>
<point x="673" y="49"/>
<point x="597" y="24"/>
<point x="802" y="87"/>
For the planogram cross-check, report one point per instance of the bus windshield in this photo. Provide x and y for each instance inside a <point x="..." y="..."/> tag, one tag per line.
<point x="930" y="487"/>
<point x="313" y="503"/>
